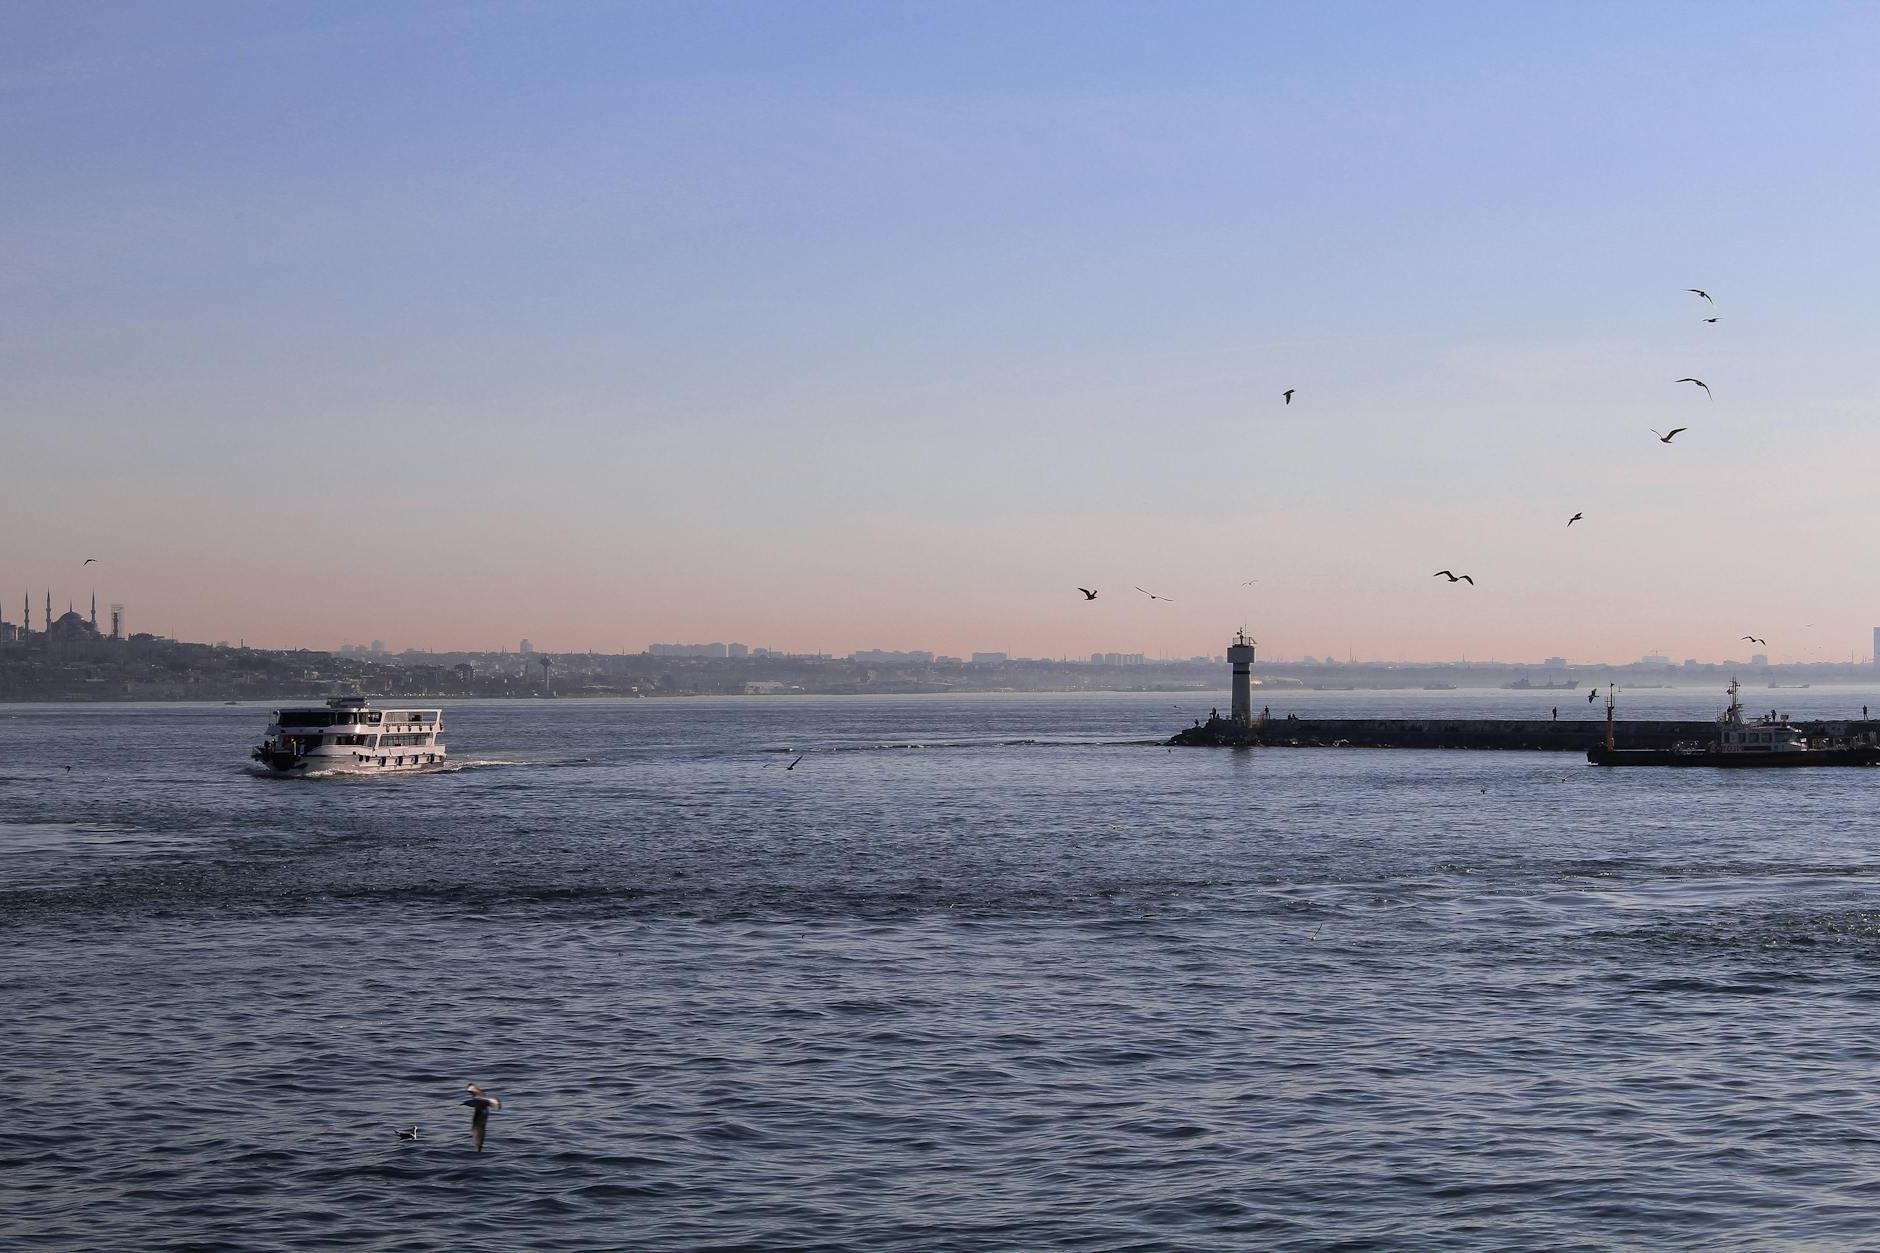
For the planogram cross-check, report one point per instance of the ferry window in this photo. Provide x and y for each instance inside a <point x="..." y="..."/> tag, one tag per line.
<point x="372" y="718"/>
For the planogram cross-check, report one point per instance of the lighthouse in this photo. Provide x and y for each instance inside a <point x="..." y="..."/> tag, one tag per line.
<point x="1240" y="655"/>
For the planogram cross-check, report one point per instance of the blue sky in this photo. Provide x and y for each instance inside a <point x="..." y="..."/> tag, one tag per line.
<point x="883" y="325"/>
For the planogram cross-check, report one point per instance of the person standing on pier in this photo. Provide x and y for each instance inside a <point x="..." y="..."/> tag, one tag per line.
<point x="1556" y="713"/>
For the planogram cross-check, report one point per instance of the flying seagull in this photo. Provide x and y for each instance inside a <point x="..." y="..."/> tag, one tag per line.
<point x="1288" y="394"/>
<point x="1710" y="319"/>
<point x="408" y="1133"/>
<point x="1088" y="594"/>
<point x="1700" y="382"/>
<point x="1698" y="291"/>
<point x="1151" y="595"/>
<point x="1250" y="582"/>
<point x="480" y="1103"/>
<point x="87" y="561"/>
<point x="1590" y="695"/>
<point x="1667" y="438"/>
<point x="792" y="765"/>
<point x="1575" y="518"/>
<point x="1453" y="578"/>
<point x="1754" y="640"/>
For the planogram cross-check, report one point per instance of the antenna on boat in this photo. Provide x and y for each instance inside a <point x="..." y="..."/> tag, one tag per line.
<point x="1612" y="700"/>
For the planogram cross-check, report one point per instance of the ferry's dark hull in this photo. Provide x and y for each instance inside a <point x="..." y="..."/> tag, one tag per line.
<point x="1858" y="755"/>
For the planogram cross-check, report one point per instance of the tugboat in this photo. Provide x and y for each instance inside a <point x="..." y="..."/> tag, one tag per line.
<point x="346" y="735"/>
<point x="1769" y="741"/>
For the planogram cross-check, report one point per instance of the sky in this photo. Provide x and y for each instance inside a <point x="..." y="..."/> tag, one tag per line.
<point x="825" y="326"/>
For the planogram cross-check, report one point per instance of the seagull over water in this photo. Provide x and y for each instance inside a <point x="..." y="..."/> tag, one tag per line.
<point x="1453" y="578"/>
<point x="1754" y="640"/>
<point x="1698" y="291"/>
<point x="480" y="1103"/>
<point x="1288" y="394"/>
<point x="1670" y="435"/>
<point x="1152" y="596"/>
<point x="1700" y="382"/>
<point x="1088" y="594"/>
<point x="1575" y="518"/>
<point x="1710" y="319"/>
<point x="792" y="765"/>
<point x="408" y="1133"/>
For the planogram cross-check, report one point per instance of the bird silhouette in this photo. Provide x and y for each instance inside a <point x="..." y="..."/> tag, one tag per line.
<point x="1249" y="582"/>
<point x="408" y="1133"/>
<point x="1575" y="518"/>
<point x="1698" y="291"/>
<point x="1088" y="594"/>
<point x="1753" y="639"/>
<point x="1288" y="394"/>
<point x="87" y="561"/>
<point x="1151" y="595"/>
<point x="480" y="1103"/>
<point x="1453" y="578"/>
<point x="1700" y="382"/>
<point x="792" y="765"/>
<point x="1590" y="695"/>
<point x="1670" y="435"/>
<point x="1710" y="319"/>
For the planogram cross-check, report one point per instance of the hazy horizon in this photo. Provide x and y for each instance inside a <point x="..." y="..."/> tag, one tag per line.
<point x="836" y="326"/>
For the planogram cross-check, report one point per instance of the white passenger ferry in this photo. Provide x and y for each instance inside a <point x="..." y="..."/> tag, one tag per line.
<point x="346" y="735"/>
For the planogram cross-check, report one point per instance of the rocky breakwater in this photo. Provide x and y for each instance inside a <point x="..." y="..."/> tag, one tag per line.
<point x="1509" y="734"/>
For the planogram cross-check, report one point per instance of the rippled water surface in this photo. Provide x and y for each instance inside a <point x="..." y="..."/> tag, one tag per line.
<point x="979" y="973"/>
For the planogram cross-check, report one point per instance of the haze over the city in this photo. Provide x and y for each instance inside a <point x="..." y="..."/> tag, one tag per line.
<point x="829" y="326"/>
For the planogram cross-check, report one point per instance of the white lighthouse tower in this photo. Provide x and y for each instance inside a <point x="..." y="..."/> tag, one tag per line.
<point x="1240" y="654"/>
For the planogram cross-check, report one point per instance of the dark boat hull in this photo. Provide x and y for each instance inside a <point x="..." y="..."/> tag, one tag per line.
<point x="1858" y="755"/>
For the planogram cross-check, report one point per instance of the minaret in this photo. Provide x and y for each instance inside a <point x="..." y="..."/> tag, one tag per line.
<point x="94" y="611"/>
<point x="1240" y="654"/>
<point x="48" y="623"/>
<point x="26" y="613"/>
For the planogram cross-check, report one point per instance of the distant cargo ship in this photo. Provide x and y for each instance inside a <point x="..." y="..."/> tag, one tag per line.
<point x="1524" y="684"/>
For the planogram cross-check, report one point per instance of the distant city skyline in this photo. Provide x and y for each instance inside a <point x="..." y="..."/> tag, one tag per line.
<point x="849" y="327"/>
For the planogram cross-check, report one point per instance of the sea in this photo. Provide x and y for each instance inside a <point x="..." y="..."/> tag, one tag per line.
<point x="932" y="973"/>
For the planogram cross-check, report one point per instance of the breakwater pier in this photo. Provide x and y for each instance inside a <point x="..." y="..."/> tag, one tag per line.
<point x="1513" y="734"/>
<point x="1243" y="728"/>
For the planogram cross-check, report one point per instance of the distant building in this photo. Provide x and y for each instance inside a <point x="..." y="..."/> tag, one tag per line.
<point x="688" y="650"/>
<point x="1759" y="660"/>
<point x="72" y="636"/>
<point x="526" y="648"/>
<point x="378" y="646"/>
<point x="1116" y="659"/>
<point x="990" y="659"/>
<point x="1555" y="663"/>
<point x="885" y="657"/>
<point x="1654" y="659"/>
<point x="737" y="650"/>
